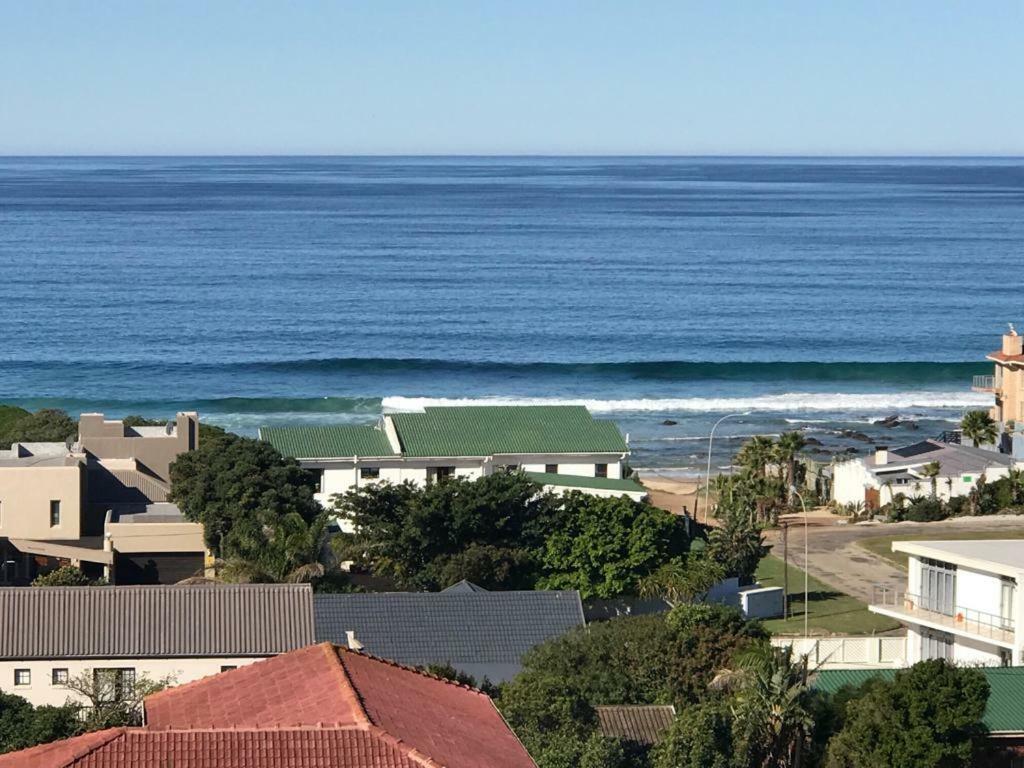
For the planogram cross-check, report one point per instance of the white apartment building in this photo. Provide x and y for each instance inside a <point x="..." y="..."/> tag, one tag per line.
<point x="875" y="480"/>
<point x="962" y="601"/>
<point x="561" y="447"/>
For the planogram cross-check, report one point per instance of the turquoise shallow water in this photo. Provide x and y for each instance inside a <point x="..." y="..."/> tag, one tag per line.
<point x="283" y="289"/>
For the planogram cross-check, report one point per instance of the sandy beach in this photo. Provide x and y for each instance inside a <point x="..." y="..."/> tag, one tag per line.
<point x="674" y="494"/>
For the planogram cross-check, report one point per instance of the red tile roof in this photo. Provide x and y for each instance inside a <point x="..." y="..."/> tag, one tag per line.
<point x="318" y="707"/>
<point x="999" y="357"/>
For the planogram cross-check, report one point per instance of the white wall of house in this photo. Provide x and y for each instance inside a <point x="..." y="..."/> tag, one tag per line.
<point x="849" y="479"/>
<point x="41" y="689"/>
<point x="340" y="476"/>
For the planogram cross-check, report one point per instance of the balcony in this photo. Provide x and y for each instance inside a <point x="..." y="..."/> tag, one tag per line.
<point x="912" y="609"/>
<point x="983" y="384"/>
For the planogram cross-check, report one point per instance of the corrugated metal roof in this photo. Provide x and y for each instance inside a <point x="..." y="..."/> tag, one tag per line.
<point x="452" y="627"/>
<point x="578" y="481"/>
<point x="486" y="430"/>
<point x="638" y="723"/>
<point x="154" y="621"/>
<point x="328" y="442"/>
<point x="1005" y="709"/>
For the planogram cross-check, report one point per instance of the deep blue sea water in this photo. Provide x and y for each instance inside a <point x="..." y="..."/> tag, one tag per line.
<point x="817" y="293"/>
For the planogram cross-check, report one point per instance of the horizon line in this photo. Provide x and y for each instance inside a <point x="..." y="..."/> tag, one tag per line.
<point x="527" y="155"/>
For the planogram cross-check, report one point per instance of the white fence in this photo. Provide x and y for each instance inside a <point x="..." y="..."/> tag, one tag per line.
<point x="849" y="652"/>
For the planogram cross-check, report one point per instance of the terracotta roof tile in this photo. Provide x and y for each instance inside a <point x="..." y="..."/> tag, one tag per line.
<point x="318" y="707"/>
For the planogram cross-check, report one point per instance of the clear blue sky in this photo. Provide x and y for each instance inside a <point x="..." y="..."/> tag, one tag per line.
<point x="523" y="76"/>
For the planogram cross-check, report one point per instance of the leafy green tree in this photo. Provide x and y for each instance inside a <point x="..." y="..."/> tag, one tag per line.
<point x="66" y="576"/>
<point x="928" y="715"/>
<point x="683" y="581"/>
<point x="231" y="482"/>
<point x="277" y="549"/>
<point x="23" y="726"/>
<point x="605" y="546"/>
<point x="700" y="737"/>
<point x="661" y="659"/>
<point x="979" y="427"/>
<point x="489" y="531"/>
<point x="49" y="425"/>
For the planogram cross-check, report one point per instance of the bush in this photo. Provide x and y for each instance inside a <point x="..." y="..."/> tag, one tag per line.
<point x="66" y="576"/>
<point x="48" y="425"/>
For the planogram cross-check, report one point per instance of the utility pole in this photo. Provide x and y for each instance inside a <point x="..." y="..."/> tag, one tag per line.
<point x="785" y="569"/>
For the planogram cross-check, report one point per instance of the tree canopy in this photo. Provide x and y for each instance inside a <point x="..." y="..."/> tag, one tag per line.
<point x="23" y="726"/>
<point x="236" y="487"/>
<point x="928" y="715"/>
<point x="501" y="531"/>
<point x="48" y="425"/>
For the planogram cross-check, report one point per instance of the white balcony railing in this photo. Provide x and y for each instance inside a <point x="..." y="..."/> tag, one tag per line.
<point x="970" y="621"/>
<point x="983" y="383"/>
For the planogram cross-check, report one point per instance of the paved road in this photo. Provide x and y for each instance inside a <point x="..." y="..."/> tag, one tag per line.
<point x="835" y="558"/>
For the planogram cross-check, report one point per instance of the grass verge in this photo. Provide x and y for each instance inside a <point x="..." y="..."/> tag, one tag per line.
<point x="829" y="612"/>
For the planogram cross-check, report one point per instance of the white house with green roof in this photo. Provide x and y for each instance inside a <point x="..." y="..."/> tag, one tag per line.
<point x="562" y="447"/>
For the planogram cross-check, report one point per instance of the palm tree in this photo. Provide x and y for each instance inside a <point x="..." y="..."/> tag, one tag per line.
<point x="931" y="470"/>
<point x="789" y="445"/>
<point x="286" y="550"/>
<point x="756" y="454"/>
<point x="774" y="706"/>
<point x="979" y="427"/>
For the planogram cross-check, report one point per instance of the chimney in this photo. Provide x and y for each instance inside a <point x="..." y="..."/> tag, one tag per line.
<point x="881" y="455"/>
<point x="1013" y="344"/>
<point x="350" y="640"/>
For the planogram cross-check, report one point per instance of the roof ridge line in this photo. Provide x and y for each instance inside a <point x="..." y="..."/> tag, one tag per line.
<point x="410" y="751"/>
<point x="417" y="670"/>
<point x="78" y="754"/>
<point x="348" y="688"/>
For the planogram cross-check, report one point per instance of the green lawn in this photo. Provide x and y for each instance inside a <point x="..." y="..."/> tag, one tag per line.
<point x="882" y="545"/>
<point x="830" y="612"/>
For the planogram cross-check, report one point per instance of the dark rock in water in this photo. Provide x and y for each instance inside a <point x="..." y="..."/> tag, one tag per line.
<point x="910" y="424"/>
<point x="852" y="434"/>
<point x="669" y="423"/>
<point x="851" y="449"/>
<point x="889" y="421"/>
<point x="812" y="441"/>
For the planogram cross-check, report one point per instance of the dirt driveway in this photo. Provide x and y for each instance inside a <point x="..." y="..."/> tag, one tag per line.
<point x="835" y="558"/>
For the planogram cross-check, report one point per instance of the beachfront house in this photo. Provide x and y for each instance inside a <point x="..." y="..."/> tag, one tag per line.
<point x="1007" y="387"/>
<point x="49" y="635"/>
<point x="561" y="447"/>
<point x="961" y="601"/>
<point x="877" y="479"/>
<point x="480" y="633"/>
<point x="100" y="503"/>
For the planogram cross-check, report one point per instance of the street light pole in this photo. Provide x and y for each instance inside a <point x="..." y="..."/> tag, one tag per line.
<point x="803" y="504"/>
<point x="707" y="475"/>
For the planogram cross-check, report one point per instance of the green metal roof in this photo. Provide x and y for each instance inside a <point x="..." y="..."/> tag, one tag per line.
<point x="486" y="430"/>
<point x="1003" y="713"/>
<point x="328" y="442"/>
<point x="576" y="481"/>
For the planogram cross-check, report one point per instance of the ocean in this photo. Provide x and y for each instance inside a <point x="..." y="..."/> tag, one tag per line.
<point x="819" y="294"/>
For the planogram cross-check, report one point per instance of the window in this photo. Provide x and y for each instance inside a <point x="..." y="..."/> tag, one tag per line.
<point x="113" y="683"/>
<point x="369" y="473"/>
<point x="54" y="514"/>
<point x="319" y="475"/>
<point x="23" y="677"/>
<point x="551" y="469"/>
<point x="936" y="645"/>
<point x="968" y="479"/>
<point x="938" y="587"/>
<point x="443" y="473"/>
<point x="511" y="468"/>
<point x="600" y="470"/>
<point x="1005" y="657"/>
<point x="227" y="667"/>
<point x="59" y="676"/>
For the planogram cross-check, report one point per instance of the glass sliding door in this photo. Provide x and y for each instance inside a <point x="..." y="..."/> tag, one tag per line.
<point x="938" y="587"/>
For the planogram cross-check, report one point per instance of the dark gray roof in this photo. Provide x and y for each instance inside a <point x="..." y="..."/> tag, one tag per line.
<point x="471" y="630"/>
<point x="154" y="621"/>
<point x="637" y="723"/>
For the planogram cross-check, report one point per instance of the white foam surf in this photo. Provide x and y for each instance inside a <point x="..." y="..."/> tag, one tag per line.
<point x="831" y="402"/>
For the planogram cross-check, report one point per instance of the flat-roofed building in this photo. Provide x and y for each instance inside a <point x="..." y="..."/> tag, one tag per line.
<point x="962" y="601"/>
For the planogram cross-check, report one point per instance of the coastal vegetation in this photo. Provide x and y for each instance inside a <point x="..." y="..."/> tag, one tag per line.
<point x="979" y="427"/>
<point x="502" y="531"/>
<point x="48" y="425"/>
<point x="739" y="702"/>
